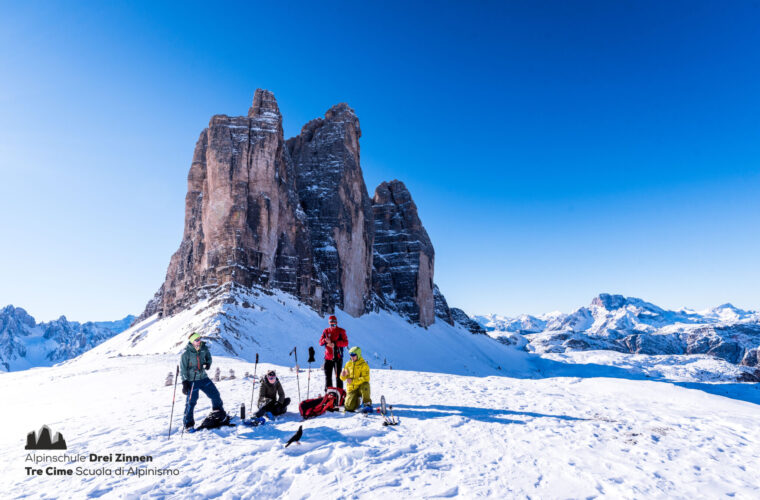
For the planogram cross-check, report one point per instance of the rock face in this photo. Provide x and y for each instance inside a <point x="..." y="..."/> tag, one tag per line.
<point x="404" y="256"/>
<point x="295" y="215"/>
<point x="242" y="218"/>
<point x="338" y="211"/>
<point x="461" y="317"/>
<point x="442" y="310"/>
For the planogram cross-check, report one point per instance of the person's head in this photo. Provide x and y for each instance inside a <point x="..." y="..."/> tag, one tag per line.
<point x="271" y="376"/>
<point x="333" y="321"/>
<point x="195" y="339"/>
<point x="355" y="353"/>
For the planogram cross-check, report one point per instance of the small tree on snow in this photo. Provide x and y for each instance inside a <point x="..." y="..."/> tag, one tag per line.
<point x="217" y="375"/>
<point x="232" y="374"/>
<point x="169" y="379"/>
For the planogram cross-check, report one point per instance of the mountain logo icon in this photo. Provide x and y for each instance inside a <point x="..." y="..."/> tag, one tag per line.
<point x="42" y="440"/>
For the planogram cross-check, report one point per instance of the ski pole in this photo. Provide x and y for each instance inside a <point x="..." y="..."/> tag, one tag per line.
<point x="308" y="379"/>
<point x="187" y="404"/>
<point x="174" y="397"/>
<point x="295" y="353"/>
<point x="254" y="380"/>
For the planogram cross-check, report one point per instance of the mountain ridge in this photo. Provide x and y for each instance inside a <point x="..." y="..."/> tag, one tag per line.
<point x="632" y="325"/>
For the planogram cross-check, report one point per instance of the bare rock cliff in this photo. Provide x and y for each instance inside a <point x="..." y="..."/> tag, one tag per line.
<point x="404" y="256"/>
<point x="295" y="216"/>
<point x="338" y="211"/>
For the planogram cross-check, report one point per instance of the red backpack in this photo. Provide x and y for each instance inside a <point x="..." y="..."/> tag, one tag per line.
<point x="333" y="398"/>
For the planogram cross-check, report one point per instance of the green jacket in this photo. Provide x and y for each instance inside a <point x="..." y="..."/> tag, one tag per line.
<point x="192" y="361"/>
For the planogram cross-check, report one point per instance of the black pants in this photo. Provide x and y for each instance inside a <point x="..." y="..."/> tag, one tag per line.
<point x="331" y="366"/>
<point x="274" y="407"/>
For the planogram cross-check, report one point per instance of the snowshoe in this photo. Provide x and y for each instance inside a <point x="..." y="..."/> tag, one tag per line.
<point x="269" y="415"/>
<point x="255" y="421"/>
<point x="367" y="408"/>
<point x="189" y="430"/>
<point x="388" y="420"/>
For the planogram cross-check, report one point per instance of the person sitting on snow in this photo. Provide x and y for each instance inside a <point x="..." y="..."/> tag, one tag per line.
<point x="356" y="374"/>
<point x="272" y="398"/>
<point x="196" y="359"/>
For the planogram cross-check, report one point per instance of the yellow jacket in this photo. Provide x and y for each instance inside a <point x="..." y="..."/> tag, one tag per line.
<point x="358" y="372"/>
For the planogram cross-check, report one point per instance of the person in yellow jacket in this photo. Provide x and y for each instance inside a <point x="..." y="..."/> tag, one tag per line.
<point x="356" y="374"/>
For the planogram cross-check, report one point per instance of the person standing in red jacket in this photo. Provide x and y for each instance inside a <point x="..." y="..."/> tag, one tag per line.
<point x="334" y="339"/>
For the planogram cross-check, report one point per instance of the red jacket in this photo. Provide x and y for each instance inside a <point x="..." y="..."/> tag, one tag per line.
<point x="333" y="334"/>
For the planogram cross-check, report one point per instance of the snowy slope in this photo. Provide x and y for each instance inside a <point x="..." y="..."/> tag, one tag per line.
<point x="242" y="322"/>
<point x="570" y="431"/>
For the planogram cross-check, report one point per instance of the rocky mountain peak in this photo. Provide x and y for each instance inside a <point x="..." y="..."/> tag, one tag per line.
<point x="265" y="107"/>
<point x="609" y="302"/>
<point x="10" y="315"/>
<point x="342" y="112"/>
<point x="403" y="255"/>
<point x="296" y="216"/>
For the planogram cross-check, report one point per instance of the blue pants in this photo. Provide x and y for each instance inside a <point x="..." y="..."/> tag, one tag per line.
<point x="210" y="390"/>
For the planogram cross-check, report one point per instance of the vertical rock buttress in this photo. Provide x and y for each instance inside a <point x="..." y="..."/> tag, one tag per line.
<point x="338" y="210"/>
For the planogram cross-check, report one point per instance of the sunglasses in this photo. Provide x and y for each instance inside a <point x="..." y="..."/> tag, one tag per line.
<point x="197" y="341"/>
<point x="353" y="354"/>
<point x="271" y="375"/>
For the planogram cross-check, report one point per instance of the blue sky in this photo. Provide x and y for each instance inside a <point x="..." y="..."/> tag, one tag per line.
<point x="555" y="150"/>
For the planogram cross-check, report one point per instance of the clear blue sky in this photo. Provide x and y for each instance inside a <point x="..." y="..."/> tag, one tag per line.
<point x="555" y="149"/>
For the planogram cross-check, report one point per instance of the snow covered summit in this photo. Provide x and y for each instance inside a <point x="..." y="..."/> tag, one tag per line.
<point x="632" y="325"/>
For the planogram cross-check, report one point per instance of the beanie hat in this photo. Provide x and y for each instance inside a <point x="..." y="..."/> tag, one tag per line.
<point x="333" y="319"/>
<point x="194" y="336"/>
<point x="355" y="350"/>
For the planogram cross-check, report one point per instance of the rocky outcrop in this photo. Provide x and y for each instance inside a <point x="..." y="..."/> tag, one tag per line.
<point x="295" y="216"/>
<point x="243" y="222"/>
<point x="442" y="310"/>
<point x="403" y="255"/>
<point x="338" y="211"/>
<point x="470" y="324"/>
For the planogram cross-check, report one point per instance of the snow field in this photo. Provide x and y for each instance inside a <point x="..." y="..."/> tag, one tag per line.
<point x="497" y="437"/>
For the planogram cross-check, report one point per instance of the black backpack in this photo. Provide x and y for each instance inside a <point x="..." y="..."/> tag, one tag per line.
<point x="215" y="419"/>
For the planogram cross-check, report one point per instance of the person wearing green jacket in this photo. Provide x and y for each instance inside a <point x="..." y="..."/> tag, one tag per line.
<point x="356" y="375"/>
<point x="196" y="359"/>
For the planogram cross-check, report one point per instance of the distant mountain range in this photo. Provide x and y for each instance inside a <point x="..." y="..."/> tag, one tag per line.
<point x="628" y="324"/>
<point x="24" y="343"/>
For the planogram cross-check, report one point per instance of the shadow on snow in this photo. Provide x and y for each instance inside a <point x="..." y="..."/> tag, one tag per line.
<point x="488" y="415"/>
<point x="547" y="368"/>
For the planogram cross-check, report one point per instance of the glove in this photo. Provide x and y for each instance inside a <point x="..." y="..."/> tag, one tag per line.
<point x="206" y="366"/>
<point x="185" y="387"/>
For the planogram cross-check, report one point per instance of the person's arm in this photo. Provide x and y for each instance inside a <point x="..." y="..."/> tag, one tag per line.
<point x="344" y="372"/>
<point x="262" y="399"/>
<point x="323" y="339"/>
<point x="183" y="367"/>
<point x="280" y="391"/>
<point x="342" y="339"/>
<point x="208" y="359"/>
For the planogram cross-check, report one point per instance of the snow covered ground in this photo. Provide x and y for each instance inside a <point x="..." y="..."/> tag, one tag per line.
<point x="559" y="431"/>
<point x="478" y="417"/>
